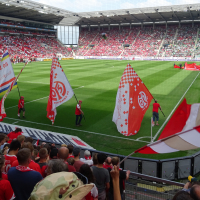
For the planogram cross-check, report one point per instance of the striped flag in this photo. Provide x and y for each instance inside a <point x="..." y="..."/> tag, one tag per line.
<point x="132" y="102"/>
<point x="2" y="109"/>
<point x="7" y="75"/>
<point x="184" y="118"/>
<point x="185" y="140"/>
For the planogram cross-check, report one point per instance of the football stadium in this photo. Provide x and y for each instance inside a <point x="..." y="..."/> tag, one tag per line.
<point x="109" y="83"/>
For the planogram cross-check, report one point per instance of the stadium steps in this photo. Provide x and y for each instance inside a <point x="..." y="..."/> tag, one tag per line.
<point x="135" y="38"/>
<point x="175" y="36"/>
<point x="196" y="42"/>
<point x="60" y="43"/>
<point x="121" y="54"/>
<point x="161" y="43"/>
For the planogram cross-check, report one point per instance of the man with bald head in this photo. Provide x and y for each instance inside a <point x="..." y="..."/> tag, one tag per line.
<point x="107" y="164"/>
<point x="63" y="153"/>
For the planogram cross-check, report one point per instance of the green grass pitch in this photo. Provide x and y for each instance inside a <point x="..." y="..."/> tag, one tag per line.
<point x="96" y="82"/>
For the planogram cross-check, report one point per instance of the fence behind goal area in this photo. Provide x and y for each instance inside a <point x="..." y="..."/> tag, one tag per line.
<point x="144" y="187"/>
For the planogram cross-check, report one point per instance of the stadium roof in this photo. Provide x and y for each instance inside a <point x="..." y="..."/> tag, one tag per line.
<point x="177" y="13"/>
<point x="27" y="10"/>
<point x="33" y="11"/>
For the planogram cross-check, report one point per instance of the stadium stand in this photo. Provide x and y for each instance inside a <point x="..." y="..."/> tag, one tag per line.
<point x="142" y="42"/>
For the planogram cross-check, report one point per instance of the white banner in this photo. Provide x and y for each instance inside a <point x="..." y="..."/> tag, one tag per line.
<point x="48" y="136"/>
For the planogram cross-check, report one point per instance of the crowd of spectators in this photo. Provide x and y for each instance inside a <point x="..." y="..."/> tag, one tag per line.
<point x="26" y="168"/>
<point x="143" y="42"/>
<point x="30" y="171"/>
<point x="179" y="42"/>
<point x="31" y="47"/>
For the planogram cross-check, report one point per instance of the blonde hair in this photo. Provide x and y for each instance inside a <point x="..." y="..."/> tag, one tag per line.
<point x="115" y="160"/>
<point x="21" y="138"/>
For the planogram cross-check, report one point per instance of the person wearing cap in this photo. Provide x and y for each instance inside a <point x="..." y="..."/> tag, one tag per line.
<point x="156" y="105"/>
<point x="87" y="158"/>
<point x="77" y="163"/>
<point x="21" y="107"/>
<point x="78" y="113"/>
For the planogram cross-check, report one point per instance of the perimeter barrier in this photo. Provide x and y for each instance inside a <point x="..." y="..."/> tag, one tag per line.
<point x="170" y="169"/>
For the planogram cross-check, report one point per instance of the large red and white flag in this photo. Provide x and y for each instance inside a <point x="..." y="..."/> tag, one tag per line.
<point x="186" y="116"/>
<point x="185" y="140"/>
<point x="60" y="89"/>
<point x="2" y="109"/>
<point x="181" y="133"/>
<point x="132" y="102"/>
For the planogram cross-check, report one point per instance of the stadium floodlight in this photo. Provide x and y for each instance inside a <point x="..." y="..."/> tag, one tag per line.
<point x="7" y="4"/>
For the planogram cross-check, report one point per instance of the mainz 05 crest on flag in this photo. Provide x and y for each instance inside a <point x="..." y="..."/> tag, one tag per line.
<point x="132" y="101"/>
<point x="60" y="89"/>
<point x="7" y="75"/>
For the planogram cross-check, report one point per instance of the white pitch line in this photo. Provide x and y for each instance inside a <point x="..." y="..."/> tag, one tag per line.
<point x="40" y="98"/>
<point x="15" y="122"/>
<point x="79" y="130"/>
<point x="174" y="109"/>
<point x="142" y="137"/>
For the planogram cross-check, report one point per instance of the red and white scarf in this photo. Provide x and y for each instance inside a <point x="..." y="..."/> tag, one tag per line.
<point x="87" y="157"/>
<point x="23" y="168"/>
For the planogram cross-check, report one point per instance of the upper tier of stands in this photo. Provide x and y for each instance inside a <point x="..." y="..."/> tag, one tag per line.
<point x="143" y="42"/>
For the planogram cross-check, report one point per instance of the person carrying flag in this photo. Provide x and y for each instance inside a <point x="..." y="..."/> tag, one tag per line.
<point x="78" y="113"/>
<point x="155" y="112"/>
<point x="21" y="107"/>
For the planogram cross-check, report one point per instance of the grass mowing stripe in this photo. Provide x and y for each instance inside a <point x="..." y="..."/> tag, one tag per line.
<point x="174" y="109"/>
<point x="39" y="99"/>
<point x="99" y="101"/>
<point x="123" y="138"/>
<point x="169" y="84"/>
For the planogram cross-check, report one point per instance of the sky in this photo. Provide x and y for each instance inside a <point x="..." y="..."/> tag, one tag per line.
<point x="102" y="5"/>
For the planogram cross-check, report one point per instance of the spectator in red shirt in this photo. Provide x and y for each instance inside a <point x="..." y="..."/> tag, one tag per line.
<point x="11" y="156"/>
<point x="78" y="113"/>
<point x="155" y="112"/>
<point x="43" y="154"/>
<point x="14" y="134"/>
<point x="6" y="191"/>
<point x="21" y="107"/>
<point x="107" y="164"/>
<point x="63" y="153"/>
<point x="32" y="164"/>
<point x="70" y="147"/>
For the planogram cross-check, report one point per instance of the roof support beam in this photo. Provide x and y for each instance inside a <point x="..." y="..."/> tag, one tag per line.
<point x="149" y="18"/>
<point x="175" y="14"/>
<point x="190" y="13"/>
<point x="135" y="18"/>
<point x="160" y="14"/>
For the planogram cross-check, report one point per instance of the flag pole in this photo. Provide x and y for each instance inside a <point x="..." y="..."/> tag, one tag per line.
<point x="126" y="158"/>
<point x="77" y="102"/>
<point x="18" y="91"/>
<point x="151" y="130"/>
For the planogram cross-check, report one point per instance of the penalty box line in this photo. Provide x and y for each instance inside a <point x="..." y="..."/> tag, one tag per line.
<point x="174" y="109"/>
<point x="39" y="99"/>
<point x="77" y="130"/>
